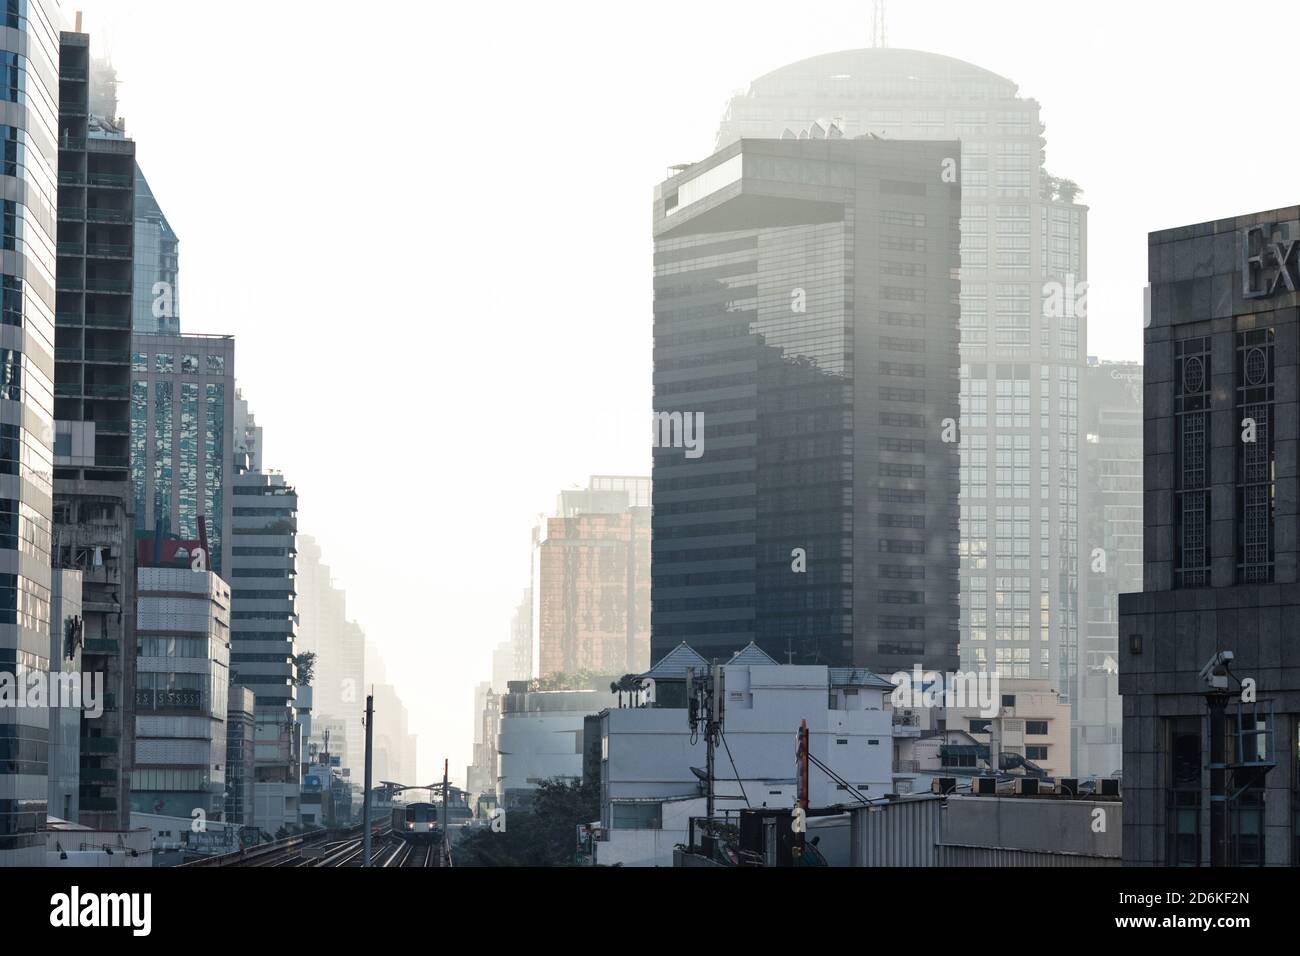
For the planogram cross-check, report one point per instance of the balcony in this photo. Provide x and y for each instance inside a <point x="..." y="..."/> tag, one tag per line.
<point x="105" y="321"/>
<point x="119" y="180"/>
<point x="70" y="248"/>
<point x="107" y="390"/>
<point x="99" y="645"/>
<point x="108" y="250"/>
<point x="96" y="284"/>
<point x="72" y="212"/>
<point x="99" y="745"/>
<point x="113" y="356"/>
<point x="109" y="215"/>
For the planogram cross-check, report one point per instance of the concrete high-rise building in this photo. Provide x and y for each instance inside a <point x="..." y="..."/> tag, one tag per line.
<point x="157" y="265"/>
<point x="591" y="581"/>
<point x="264" y="625"/>
<point x="1222" y="553"/>
<point x="806" y="312"/>
<point x="241" y="742"/>
<point x="67" y="635"/>
<point x="27" y="350"/>
<point x="93" y="505"/>
<point x="182" y="690"/>
<point x="1110" y="552"/>
<point x="339" y="644"/>
<point x="182" y="438"/>
<point x="1023" y="326"/>
<point x="248" y="434"/>
<point x="522" y="665"/>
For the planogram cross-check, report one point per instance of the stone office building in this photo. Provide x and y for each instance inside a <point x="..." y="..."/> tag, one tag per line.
<point x="1220" y="568"/>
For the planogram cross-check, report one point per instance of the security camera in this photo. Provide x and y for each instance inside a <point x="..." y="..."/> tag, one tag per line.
<point x="1215" y="673"/>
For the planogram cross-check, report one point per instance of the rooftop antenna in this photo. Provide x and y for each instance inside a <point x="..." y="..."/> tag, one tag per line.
<point x="878" y="38"/>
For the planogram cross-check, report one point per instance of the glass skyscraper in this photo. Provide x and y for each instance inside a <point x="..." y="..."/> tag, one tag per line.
<point x="157" y="265"/>
<point x="1023" y="329"/>
<point x="805" y="398"/>
<point x="182" y="438"/>
<point x="30" y="48"/>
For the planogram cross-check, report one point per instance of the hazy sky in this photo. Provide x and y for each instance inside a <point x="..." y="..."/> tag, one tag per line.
<point x="428" y="227"/>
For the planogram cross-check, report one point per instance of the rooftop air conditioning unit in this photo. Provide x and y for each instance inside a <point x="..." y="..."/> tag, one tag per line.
<point x="1107" y="787"/>
<point x="943" y="785"/>
<point x="984" y="786"/>
<point x="1069" y="786"/>
<point x="1027" y="786"/>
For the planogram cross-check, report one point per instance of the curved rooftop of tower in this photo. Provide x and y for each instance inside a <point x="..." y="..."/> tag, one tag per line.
<point x="893" y="73"/>
<point x="859" y="81"/>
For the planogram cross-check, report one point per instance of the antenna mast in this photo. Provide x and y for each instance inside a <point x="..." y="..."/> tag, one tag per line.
<point x="878" y="37"/>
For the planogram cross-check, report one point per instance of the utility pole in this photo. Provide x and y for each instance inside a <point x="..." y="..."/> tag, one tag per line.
<point x="704" y="713"/>
<point x="365" y="812"/>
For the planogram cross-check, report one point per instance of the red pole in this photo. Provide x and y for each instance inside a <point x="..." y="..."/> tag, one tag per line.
<point x="803" y="764"/>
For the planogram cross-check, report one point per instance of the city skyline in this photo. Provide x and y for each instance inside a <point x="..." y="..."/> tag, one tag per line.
<point x="1130" y="190"/>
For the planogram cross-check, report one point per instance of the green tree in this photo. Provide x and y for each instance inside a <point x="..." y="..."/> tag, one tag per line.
<point x="306" y="664"/>
<point x="543" y="834"/>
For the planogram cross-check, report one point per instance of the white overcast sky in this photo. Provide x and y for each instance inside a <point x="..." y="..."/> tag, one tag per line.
<point x="428" y="226"/>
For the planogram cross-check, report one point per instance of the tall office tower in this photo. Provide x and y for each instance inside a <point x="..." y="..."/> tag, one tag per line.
<point x="394" y="744"/>
<point x="1023" y="299"/>
<point x="27" y="333"/>
<point x="241" y="745"/>
<point x="93" y="505"/>
<point x="1110" y="552"/>
<point x="340" y="681"/>
<point x="352" y="668"/>
<point x="806" y="322"/>
<point x="182" y="433"/>
<point x="1221" y="554"/>
<point x="264" y="626"/>
<point x="248" y="434"/>
<point x="521" y="643"/>
<point x="64" y="751"/>
<point x="157" y="265"/>
<point x="591" y="580"/>
<point x="182" y="692"/>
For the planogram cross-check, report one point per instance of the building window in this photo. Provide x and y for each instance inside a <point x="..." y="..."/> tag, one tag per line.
<point x="1191" y="492"/>
<point x="1036" y="728"/>
<point x="1035" y="753"/>
<point x="1183" y="820"/>
<point x="636" y="816"/>
<point x="1255" y="456"/>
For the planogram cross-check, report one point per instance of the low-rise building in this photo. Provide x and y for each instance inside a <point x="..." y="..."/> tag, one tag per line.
<point x="652" y="764"/>
<point x="541" y="737"/>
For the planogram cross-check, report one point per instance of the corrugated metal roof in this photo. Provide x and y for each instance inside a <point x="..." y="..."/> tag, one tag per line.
<point x="751" y="653"/>
<point x="858" y="677"/>
<point x="674" y="663"/>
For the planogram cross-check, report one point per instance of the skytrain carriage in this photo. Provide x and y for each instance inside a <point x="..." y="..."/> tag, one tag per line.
<point x="417" y="823"/>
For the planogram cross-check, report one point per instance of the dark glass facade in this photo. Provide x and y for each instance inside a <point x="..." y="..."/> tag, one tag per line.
<point x="29" y="98"/>
<point x="806" y="321"/>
